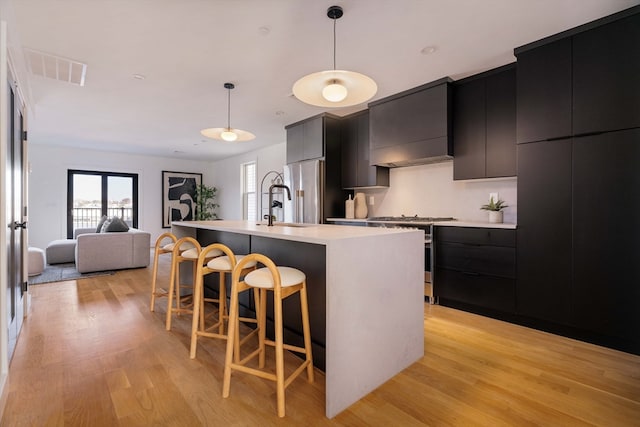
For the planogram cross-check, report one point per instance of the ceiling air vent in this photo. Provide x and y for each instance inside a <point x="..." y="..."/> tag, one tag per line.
<point x="55" y="67"/>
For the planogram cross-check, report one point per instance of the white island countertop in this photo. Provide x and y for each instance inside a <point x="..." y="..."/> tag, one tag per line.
<point x="309" y="233"/>
<point x="371" y="301"/>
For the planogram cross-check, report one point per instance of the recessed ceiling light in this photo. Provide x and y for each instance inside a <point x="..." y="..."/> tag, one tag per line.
<point x="428" y="50"/>
<point x="264" y="30"/>
<point x="139" y="76"/>
<point x="279" y="113"/>
<point x="178" y="152"/>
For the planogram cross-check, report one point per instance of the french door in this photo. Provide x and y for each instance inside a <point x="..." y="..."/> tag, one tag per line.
<point x="92" y="194"/>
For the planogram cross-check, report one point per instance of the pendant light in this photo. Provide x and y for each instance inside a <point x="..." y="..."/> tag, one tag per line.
<point x="228" y="134"/>
<point x="335" y="88"/>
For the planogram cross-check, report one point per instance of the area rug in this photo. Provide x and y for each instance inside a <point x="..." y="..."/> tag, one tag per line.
<point x="61" y="272"/>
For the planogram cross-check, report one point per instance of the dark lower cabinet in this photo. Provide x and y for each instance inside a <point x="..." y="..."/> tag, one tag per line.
<point x="475" y="267"/>
<point x="606" y="234"/>
<point x="544" y="231"/>
<point x="309" y="258"/>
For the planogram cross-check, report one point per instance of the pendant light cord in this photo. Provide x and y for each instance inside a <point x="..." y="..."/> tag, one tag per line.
<point x="229" y="109"/>
<point x="334" y="43"/>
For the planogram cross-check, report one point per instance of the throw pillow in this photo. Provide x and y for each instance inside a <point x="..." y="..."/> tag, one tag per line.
<point x="105" y="225"/>
<point x="117" y="225"/>
<point x="101" y="223"/>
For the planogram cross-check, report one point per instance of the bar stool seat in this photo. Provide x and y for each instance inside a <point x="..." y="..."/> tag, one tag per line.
<point x="282" y="282"/>
<point x="221" y="264"/>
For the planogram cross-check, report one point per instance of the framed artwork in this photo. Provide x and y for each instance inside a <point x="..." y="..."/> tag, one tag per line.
<point x="179" y="196"/>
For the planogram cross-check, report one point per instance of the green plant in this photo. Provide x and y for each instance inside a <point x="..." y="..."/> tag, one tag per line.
<point x="494" y="206"/>
<point x="205" y="202"/>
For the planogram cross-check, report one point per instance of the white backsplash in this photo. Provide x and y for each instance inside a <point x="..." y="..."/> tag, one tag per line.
<point x="429" y="190"/>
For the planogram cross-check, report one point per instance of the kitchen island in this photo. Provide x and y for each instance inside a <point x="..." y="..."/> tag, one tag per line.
<point x="365" y="290"/>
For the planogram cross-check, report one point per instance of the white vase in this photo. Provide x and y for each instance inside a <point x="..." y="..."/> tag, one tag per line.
<point x="360" y="206"/>
<point x="496" y="217"/>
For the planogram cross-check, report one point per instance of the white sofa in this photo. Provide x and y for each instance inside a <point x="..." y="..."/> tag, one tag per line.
<point x="111" y="251"/>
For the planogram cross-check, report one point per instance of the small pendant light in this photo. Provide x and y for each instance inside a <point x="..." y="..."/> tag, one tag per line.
<point x="228" y="134"/>
<point x="335" y="88"/>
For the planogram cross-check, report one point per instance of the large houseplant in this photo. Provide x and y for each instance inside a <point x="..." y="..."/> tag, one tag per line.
<point x="205" y="202"/>
<point x="495" y="210"/>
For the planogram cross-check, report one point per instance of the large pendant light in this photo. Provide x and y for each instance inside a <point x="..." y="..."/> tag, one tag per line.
<point x="335" y="88"/>
<point x="228" y="134"/>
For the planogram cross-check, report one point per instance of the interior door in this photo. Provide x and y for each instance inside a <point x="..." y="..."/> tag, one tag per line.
<point x="16" y="280"/>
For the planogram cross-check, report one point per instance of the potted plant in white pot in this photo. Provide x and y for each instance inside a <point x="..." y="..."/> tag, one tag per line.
<point x="495" y="210"/>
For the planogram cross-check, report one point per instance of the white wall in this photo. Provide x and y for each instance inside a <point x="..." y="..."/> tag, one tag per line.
<point x="429" y="190"/>
<point x="48" y="186"/>
<point x="227" y="173"/>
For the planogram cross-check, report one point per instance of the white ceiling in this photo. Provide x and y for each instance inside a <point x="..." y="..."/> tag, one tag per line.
<point x="187" y="50"/>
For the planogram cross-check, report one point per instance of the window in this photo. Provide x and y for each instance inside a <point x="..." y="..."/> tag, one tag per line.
<point x="249" y="199"/>
<point x="91" y="194"/>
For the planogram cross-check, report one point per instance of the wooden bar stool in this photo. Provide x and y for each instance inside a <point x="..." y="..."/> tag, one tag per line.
<point x="284" y="282"/>
<point x="221" y="265"/>
<point x="164" y="245"/>
<point x="186" y="249"/>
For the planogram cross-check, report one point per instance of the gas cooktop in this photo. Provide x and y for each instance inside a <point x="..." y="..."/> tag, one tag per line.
<point x="414" y="218"/>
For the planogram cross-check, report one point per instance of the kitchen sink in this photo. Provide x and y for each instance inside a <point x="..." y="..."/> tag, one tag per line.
<point x="287" y="224"/>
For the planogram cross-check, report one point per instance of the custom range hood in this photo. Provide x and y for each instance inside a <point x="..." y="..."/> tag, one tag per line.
<point x="413" y="127"/>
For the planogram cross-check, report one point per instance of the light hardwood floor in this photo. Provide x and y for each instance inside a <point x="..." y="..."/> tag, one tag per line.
<point x="91" y="354"/>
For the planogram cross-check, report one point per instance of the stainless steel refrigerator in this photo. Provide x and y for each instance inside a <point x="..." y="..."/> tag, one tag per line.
<point x="306" y="180"/>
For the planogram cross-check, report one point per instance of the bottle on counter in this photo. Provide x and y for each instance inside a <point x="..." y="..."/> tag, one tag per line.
<point x="349" y="208"/>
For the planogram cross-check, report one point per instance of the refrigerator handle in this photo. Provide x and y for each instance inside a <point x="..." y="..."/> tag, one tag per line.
<point x="300" y="205"/>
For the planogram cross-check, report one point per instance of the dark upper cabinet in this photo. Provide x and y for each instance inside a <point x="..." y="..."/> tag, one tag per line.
<point x="306" y="139"/>
<point x="606" y="77"/>
<point x="544" y="231"/>
<point x="583" y="81"/>
<point x="356" y="170"/>
<point x="295" y="143"/>
<point x="469" y="130"/>
<point x="412" y="127"/>
<point x="501" y="123"/>
<point x="606" y="233"/>
<point x="484" y="125"/>
<point x="544" y="92"/>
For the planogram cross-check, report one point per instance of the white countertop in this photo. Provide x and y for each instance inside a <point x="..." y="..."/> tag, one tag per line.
<point x="455" y="223"/>
<point x="478" y="224"/>
<point x="309" y="233"/>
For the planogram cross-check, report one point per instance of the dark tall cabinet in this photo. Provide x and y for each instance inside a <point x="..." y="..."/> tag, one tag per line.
<point x="606" y="229"/>
<point x="579" y="183"/>
<point x="544" y="230"/>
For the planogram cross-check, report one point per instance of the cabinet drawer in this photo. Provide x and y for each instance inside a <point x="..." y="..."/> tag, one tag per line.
<point x="489" y="260"/>
<point x="484" y="291"/>
<point x="476" y="236"/>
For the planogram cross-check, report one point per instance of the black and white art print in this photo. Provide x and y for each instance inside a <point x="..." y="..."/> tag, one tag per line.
<point x="179" y="196"/>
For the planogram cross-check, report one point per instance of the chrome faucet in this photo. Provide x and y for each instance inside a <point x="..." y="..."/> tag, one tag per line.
<point x="270" y="223"/>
